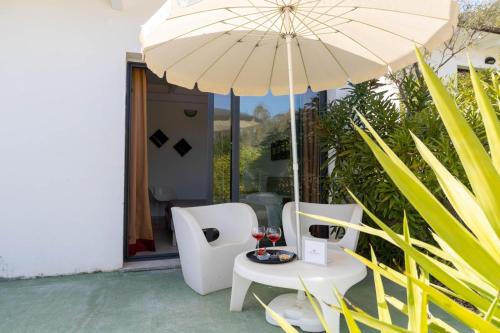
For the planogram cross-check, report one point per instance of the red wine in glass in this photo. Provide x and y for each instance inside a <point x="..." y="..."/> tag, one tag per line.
<point x="273" y="234"/>
<point x="258" y="233"/>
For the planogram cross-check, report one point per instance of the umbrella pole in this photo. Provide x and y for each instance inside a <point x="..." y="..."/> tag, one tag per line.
<point x="295" y="164"/>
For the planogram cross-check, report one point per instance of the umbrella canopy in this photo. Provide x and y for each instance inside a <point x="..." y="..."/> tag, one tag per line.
<point x="238" y="44"/>
<point x="288" y="46"/>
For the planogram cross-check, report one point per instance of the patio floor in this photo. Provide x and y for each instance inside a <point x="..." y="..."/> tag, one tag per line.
<point x="154" y="301"/>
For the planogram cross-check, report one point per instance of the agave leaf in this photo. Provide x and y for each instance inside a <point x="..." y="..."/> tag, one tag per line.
<point x="464" y="272"/>
<point x="468" y="317"/>
<point x="463" y="201"/>
<point x="397" y="304"/>
<point x="316" y="309"/>
<point x="482" y="174"/>
<point x="493" y="307"/>
<point x="439" y="326"/>
<point x="382" y="307"/>
<point x="424" y="305"/>
<point x="426" y="263"/>
<point x="351" y="324"/>
<point x="490" y="119"/>
<point x="370" y="321"/>
<point x="394" y="275"/>
<point x="477" y="285"/>
<point x="280" y="320"/>
<point x="387" y="272"/>
<point x="380" y="233"/>
<point x="440" y="219"/>
<point x="412" y="291"/>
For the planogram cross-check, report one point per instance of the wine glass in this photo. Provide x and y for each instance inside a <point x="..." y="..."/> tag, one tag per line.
<point x="258" y="233"/>
<point x="273" y="234"/>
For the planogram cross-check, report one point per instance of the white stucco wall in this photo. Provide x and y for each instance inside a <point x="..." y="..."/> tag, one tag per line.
<point x="62" y="116"/>
<point x="487" y="46"/>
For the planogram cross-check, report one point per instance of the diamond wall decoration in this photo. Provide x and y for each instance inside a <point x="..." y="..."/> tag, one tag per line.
<point x="182" y="147"/>
<point x="158" y="138"/>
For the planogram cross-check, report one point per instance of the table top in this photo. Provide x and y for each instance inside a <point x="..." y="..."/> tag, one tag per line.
<point x="342" y="271"/>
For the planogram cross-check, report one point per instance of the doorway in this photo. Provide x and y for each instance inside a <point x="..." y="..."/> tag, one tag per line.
<point x="176" y="139"/>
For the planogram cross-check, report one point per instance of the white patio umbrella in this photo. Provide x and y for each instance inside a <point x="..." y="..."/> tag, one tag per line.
<point x="288" y="46"/>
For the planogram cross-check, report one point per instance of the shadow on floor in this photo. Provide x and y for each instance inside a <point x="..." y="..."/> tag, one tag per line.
<point x="156" y="301"/>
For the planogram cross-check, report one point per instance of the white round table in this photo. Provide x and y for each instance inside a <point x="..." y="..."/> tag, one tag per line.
<point x="342" y="272"/>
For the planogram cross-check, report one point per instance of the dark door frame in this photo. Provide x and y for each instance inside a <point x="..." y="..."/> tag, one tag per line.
<point x="126" y="257"/>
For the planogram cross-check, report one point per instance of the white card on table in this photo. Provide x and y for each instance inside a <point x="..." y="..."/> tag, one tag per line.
<point x="315" y="250"/>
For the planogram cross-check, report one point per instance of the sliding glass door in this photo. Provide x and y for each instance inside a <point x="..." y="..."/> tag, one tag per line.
<point x="266" y="181"/>
<point x="252" y="156"/>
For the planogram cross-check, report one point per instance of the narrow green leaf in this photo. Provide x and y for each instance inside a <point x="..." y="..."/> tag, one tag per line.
<point x="385" y="271"/>
<point x="280" y="320"/>
<point x="438" y="217"/>
<point x="463" y="314"/>
<point x="482" y="174"/>
<point x="372" y="322"/>
<point x="424" y="305"/>
<point x="411" y="290"/>
<point x="351" y="324"/>
<point x="436" y="325"/>
<point x="426" y="263"/>
<point x="382" y="307"/>
<point x="491" y="311"/>
<point x="380" y="233"/>
<point x="489" y="116"/>
<point x="463" y="201"/>
<point x="316" y="308"/>
<point x="397" y="304"/>
<point x="464" y="272"/>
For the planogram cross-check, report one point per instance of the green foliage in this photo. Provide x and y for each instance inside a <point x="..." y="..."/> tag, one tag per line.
<point x="358" y="170"/>
<point x="466" y="257"/>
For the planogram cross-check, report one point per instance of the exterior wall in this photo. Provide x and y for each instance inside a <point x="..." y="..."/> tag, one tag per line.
<point x="62" y="127"/>
<point x="488" y="46"/>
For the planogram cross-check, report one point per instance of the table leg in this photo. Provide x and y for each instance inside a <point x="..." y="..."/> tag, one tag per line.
<point x="238" y="292"/>
<point x="332" y="317"/>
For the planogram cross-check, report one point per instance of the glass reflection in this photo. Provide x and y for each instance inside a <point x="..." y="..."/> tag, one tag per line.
<point x="222" y="149"/>
<point x="266" y="181"/>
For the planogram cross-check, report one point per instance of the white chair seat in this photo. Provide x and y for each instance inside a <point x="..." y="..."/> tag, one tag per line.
<point x="208" y="267"/>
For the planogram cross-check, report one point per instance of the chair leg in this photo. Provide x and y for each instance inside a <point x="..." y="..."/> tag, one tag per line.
<point x="238" y="292"/>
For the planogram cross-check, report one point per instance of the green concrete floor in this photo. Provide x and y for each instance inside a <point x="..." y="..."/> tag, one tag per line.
<point x="155" y="301"/>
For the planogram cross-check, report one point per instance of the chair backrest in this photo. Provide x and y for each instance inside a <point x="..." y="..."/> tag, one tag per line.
<point x="349" y="213"/>
<point x="233" y="220"/>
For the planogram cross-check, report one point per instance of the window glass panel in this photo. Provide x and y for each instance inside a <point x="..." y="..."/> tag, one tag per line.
<point x="265" y="156"/>
<point x="222" y="149"/>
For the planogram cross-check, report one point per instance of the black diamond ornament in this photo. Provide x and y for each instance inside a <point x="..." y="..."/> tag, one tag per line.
<point x="158" y="138"/>
<point x="182" y="147"/>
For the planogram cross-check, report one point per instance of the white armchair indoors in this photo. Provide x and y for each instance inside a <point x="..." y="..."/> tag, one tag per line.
<point x="208" y="267"/>
<point x="349" y="213"/>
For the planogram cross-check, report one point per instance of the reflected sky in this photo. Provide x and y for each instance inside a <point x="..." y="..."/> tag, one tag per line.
<point x="274" y="104"/>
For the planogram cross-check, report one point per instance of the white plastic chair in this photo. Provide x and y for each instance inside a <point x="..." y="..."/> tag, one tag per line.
<point x="349" y="213"/>
<point x="208" y="267"/>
